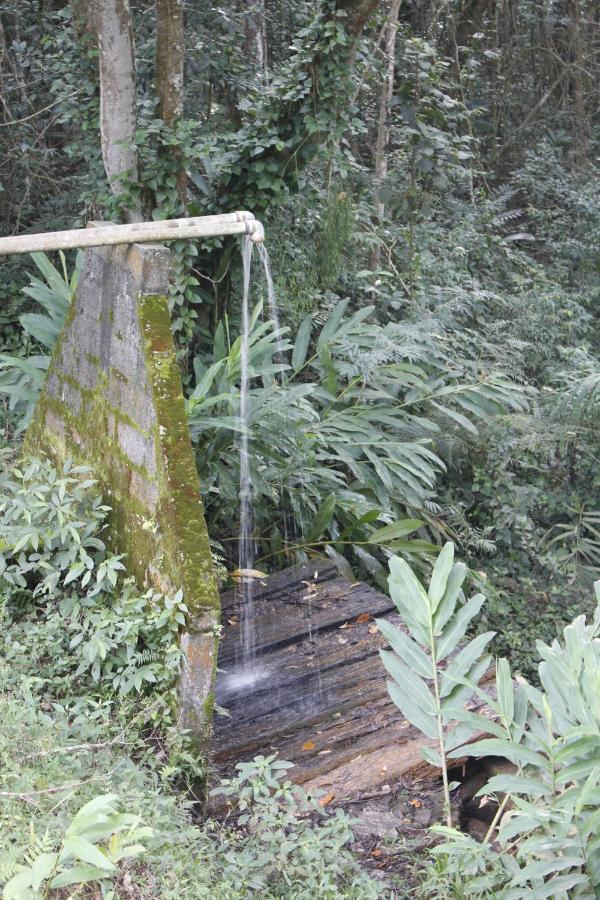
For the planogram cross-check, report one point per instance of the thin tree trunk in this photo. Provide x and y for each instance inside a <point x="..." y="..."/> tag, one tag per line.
<point x="170" y="58"/>
<point x="255" y="37"/>
<point x="580" y="130"/>
<point x="383" y="129"/>
<point x="117" y="98"/>
<point x="170" y="54"/>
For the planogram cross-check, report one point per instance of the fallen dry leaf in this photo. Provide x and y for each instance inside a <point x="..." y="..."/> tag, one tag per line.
<point x="364" y="617"/>
<point x="323" y="801"/>
<point x="310" y="587"/>
<point x="345" y="625"/>
<point x="373" y="629"/>
<point x="377" y="852"/>
<point x="308" y="745"/>
<point x="248" y="573"/>
<point x="232" y="621"/>
<point x="416" y="803"/>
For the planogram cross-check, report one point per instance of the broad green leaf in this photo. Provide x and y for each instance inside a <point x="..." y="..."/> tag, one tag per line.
<point x="432" y="757"/>
<point x="578" y="770"/>
<point x="395" y="530"/>
<point x="476" y="721"/>
<point x="41" y="327"/>
<point x="343" y="566"/>
<point x="557" y="887"/>
<point x="78" y="875"/>
<point x="407" y="593"/>
<point x="447" y="604"/>
<point x="462" y="662"/>
<point x="42" y="868"/>
<point x="104" y="804"/>
<point x="415" y="546"/>
<point x="329" y="329"/>
<point x="516" y="753"/>
<point x="515" y="784"/>
<point x="321" y="520"/>
<point x="440" y="575"/>
<point x="457" y="626"/>
<point x="458" y="735"/>
<point x="408" y="681"/>
<point x="545" y="867"/>
<point x="467" y="686"/>
<point x="17" y="887"/>
<point x="413" y="712"/>
<point x="504" y="688"/>
<point x="301" y="343"/>
<point x="407" y="649"/>
<point x="206" y="381"/>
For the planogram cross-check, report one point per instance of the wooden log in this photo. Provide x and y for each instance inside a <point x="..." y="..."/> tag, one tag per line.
<point x="324" y="703"/>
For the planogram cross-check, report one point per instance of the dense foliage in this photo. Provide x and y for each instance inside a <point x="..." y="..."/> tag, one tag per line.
<point x="92" y="760"/>
<point x="436" y="371"/>
<point x="546" y="826"/>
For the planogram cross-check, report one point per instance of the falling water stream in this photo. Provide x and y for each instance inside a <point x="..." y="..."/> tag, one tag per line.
<point x="248" y="670"/>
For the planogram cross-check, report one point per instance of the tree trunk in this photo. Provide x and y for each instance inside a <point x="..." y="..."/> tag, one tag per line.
<point x="580" y="123"/>
<point x="170" y="59"/>
<point x="255" y="38"/>
<point x="117" y="98"/>
<point x="383" y="130"/>
<point x="170" y="54"/>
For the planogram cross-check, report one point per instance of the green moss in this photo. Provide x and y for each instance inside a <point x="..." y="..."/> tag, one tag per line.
<point x="181" y="506"/>
<point x="119" y="375"/>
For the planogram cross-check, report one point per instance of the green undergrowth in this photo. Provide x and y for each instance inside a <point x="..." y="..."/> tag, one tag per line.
<point x="95" y="777"/>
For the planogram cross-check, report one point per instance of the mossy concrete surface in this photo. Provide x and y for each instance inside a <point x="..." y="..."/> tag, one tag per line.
<point x="113" y="400"/>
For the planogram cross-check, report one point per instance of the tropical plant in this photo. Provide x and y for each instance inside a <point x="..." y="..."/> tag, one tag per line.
<point x="55" y="566"/>
<point x="575" y="544"/>
<point x="99" y="837"/>
<point x="343" y="438"/>
<point x="431" y="695"/>
<point x="284" y="843"/>
<point x="21" y="378"/>
<point x="547" y="826"/>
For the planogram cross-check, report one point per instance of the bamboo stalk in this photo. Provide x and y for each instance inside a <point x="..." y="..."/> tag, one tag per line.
<point x="136" y="233"/>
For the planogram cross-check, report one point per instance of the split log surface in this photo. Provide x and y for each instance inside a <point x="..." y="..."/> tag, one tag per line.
<point x="323" y="703"/>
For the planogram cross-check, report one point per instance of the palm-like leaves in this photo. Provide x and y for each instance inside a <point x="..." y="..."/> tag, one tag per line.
<point x="357" y="416"/>
<point x="22" y="379"/>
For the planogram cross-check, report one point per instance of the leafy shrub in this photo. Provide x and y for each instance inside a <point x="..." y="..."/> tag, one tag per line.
<point x="83" y="765"/>
<point x="59" y="765"/>
<point x="547" y="826"/>
<point x="98" y="822"/>
<point x="61" y="583"/>
<point x="22" y="377"/>
<point x="345" y="442"/>
<point x="285" y="852"/>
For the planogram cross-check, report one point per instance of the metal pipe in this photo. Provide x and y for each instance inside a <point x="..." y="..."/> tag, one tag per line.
<point x="137" y="233"/>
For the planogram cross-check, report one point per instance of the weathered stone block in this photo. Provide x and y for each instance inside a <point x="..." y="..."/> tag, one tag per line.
<point x="113" y="400"/>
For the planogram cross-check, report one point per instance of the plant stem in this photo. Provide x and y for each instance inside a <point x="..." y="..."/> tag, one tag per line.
<point x="438" y="714"/>
<point x="496" y="818"/>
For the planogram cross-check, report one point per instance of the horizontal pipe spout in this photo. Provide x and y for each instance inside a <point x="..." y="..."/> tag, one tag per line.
<point x="196" y="227"/>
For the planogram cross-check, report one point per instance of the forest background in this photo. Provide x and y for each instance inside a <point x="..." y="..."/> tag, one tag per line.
<point x="427" y="176"/>
<point x="440" y="169"/>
